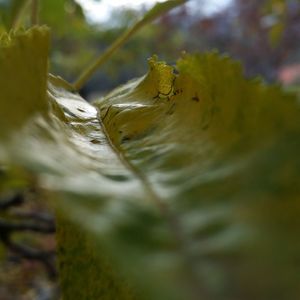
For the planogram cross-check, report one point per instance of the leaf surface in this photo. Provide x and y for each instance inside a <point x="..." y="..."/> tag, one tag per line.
<point x="186" y="184"/>
<point x="218" y="157"/>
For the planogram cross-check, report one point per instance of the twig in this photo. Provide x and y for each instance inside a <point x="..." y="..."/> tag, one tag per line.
<point x="30" y="222"/>
<point x="156" y="11"/>
<point x="7" y="227"/>
<point x="45" y="257"/>
<point x="14" y="200"/>
<point x="37" y="216"/>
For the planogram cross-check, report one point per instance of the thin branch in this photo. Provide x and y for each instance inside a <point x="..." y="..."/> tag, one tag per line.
<point x="36" y="216"/>
<point x="85" y="76"/>
<point x="14" y="200"/>
<point x="25" y="252"/>
<point x="8" y="227"/>
<point x="156" y="11"/>
<point x="30" y="222"/>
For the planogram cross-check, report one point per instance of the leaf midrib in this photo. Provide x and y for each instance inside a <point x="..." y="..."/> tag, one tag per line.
<point x="171" y="217"/>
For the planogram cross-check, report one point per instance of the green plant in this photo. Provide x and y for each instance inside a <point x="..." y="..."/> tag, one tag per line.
<point x="181" y="184"/>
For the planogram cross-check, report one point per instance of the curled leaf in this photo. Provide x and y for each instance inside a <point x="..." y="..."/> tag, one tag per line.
<point x="182" y="184"/>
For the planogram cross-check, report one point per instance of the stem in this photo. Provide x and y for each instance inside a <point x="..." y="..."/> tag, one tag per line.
<point x="34" y="12"/>
<point x="87" y="73"/>
<point x="156" y="11"/>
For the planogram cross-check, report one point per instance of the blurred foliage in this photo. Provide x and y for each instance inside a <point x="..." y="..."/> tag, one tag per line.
<point x="70" y="31"/>
<point x="275" y="12"/>
<point x="260" y="33"/>
<point x="10" y="12"/>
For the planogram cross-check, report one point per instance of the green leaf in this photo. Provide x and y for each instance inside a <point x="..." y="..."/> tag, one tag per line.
<point x="172" y="186"/>
<point x="157" y="10"/>
<point x="24" y="72"/>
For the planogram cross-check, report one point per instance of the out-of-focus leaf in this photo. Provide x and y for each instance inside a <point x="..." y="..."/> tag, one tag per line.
<point x="24" y="71"/>
<point x="276" y="33"/>
<point x="186" y="185"/>
<point x="65" y="17"/>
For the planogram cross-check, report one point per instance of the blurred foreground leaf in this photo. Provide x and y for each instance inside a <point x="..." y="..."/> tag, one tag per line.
<point x="23" y="69"/>
<point x="172" y="186"/>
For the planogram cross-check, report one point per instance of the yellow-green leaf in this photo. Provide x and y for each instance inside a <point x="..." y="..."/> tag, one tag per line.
<point x="218" y="159"/>
<point x="24" y="71"/>
<point x="182" y="186"/>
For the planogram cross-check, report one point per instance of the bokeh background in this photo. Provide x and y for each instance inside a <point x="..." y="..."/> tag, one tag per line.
<point x="263" y="35"/>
